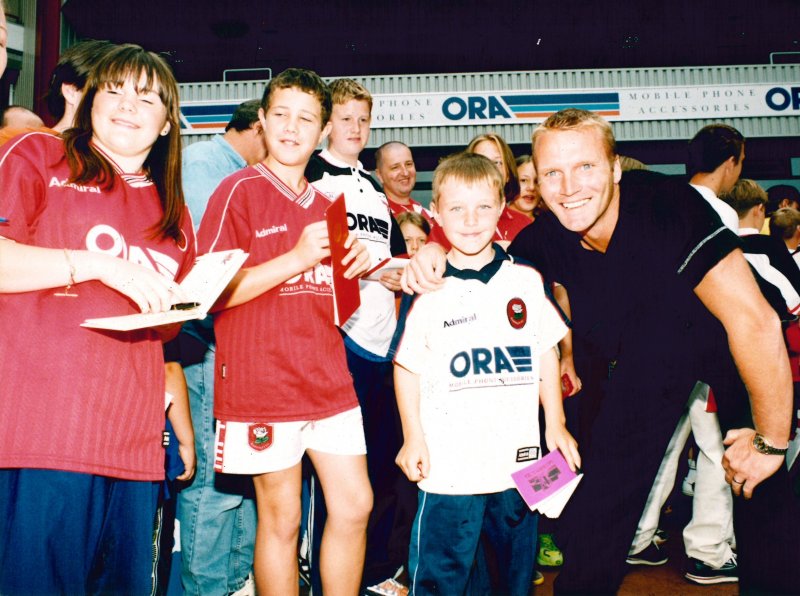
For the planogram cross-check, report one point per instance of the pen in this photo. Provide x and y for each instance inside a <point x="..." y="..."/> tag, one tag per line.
<point x="184" y="305"/>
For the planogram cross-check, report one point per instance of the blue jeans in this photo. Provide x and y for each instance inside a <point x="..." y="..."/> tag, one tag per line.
<point x="217" y="513"/>
<point x="448" y="540"/>
<point x="72" y="533"/>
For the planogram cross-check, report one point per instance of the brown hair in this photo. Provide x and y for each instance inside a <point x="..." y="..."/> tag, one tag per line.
<point x="305" y="80"/>
<point x="73" y="68"/>
<point x="415" y="219"/>
<point x="784" y="222"/>
<point x="343" y="90"/>
<point x="469" y="168"/>
<point x="712" y="146"/>
<point x="163" y="163"/>
<point x="511" y="189"/>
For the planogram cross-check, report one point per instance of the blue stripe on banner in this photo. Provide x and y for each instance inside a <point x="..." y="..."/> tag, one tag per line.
<point x="225" y="109"/>
<point x="528" y="109"/>
<point x="561" y="98"/>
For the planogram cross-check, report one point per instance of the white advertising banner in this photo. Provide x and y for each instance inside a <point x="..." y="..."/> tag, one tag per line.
<point x="624" y="104"/>
<point x="526" y="107"/>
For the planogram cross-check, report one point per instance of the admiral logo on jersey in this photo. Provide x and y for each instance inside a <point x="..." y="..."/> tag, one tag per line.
<point x="500" y="365"/>
<point x="79" y="187"/>
<point x="264" y="232"/>
<point x="367" y="223"/>
<point x="461" y="320"/>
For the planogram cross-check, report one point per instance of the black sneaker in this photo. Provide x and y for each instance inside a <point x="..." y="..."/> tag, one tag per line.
<point x="652" y="556"/>
<point x="700" y="573"/>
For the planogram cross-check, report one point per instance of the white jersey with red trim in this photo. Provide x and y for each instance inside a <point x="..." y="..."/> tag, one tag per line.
<point x="279" y="356"/>
<point x="368" y="216"/>
<point x="413" y="206"/>
<point x="476" y="345"/>
<point x="79" y="399"/>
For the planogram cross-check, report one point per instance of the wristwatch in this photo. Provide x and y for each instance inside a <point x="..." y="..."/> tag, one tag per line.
<point x="762" y="446"/>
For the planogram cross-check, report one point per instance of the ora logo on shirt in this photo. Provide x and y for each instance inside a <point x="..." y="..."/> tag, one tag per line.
<point x="105" y="239"/>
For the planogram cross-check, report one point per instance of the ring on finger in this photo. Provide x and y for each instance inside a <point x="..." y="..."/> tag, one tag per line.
<point x="734" y="481"/>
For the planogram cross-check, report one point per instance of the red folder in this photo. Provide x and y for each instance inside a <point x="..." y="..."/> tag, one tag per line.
<point x="346" y="296"/>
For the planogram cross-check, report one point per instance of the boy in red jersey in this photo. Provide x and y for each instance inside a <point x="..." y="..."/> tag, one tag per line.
<point x="282" y="384"/>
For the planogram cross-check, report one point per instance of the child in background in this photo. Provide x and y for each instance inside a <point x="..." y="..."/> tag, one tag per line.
<point x="282" y="388"/>
<point x="494" y="148"/>
<point x="368" y="333"/>
<point x="528" y="201"/>
<point x="469" y="409"/>
<point x="415" y="230"/>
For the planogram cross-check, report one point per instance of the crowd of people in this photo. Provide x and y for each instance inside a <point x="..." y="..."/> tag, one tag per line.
<point x="633" y="307"/>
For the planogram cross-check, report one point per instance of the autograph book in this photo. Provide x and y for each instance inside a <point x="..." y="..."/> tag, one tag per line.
<point x="210" y="275"/>
<point x="547" y="484"/>
<point x="346" y="295"/>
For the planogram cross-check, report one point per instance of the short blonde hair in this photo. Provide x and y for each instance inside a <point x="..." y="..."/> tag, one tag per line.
<point x="745" y="195"/>
<point x="575" y="119"/>
<point x="469" y="168"/>
<point x="343" y="90"/>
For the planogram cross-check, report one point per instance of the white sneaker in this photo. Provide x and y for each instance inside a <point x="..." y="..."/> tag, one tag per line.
<point x="388" y="587"/>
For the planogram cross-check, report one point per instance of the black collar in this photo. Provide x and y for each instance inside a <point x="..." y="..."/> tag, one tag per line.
<point x="486" y="273"/>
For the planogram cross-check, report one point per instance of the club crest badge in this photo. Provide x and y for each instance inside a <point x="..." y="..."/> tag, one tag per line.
<point x="259" y="436"/>
<point x="517" y="313"/>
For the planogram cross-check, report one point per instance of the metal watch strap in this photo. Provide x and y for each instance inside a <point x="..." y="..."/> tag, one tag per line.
<point x="762" y="446"/>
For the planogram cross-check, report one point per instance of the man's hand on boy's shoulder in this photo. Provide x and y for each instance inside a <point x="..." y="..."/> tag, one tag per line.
<point x="425" y="270"/>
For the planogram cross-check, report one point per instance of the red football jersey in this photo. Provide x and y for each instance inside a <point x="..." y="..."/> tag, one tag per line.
<point x="279" y="356"/>
<point x="73" y="398"/>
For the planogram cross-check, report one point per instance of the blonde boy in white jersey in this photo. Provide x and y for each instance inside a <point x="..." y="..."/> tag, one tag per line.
<point x="472" y="364"/>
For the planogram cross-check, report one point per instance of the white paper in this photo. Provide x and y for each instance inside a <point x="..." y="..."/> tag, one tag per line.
<point x="553" y="505"/>
<point x="385" y="265"/>
<point x="210" y="275"/>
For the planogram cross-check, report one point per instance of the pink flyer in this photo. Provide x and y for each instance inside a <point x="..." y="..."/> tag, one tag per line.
<point x="543" y="478"/>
